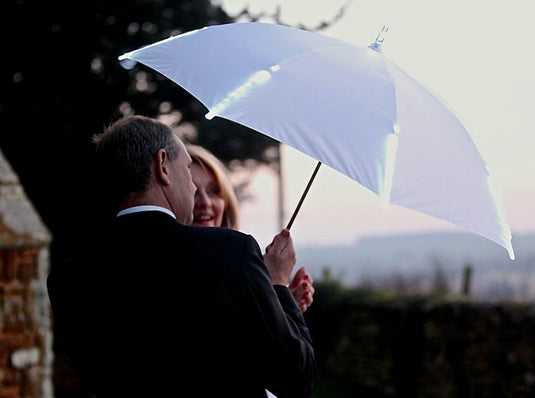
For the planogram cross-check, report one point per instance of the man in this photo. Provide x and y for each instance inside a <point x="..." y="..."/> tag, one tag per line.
<point x="158" y="308"/>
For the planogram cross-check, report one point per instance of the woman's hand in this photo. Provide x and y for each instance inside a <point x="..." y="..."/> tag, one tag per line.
<point x="302" y="289"/>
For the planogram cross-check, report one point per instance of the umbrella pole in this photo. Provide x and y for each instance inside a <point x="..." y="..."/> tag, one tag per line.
<point x="303" y="196"/>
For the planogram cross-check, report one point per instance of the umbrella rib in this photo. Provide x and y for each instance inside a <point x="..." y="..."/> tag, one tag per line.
<point x="303" y="196"/>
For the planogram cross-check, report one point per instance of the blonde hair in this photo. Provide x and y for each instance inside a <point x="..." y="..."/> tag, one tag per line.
<point x="208" y="161"/>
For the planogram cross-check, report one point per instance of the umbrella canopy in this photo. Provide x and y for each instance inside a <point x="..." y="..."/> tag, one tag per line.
<point x="344" y="105"/>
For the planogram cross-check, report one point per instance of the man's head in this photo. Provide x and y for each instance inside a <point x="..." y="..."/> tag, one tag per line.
<point x="142" y="162"/>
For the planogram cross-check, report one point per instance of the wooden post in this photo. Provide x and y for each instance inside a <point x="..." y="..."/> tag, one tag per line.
<point x="467" y="280"/>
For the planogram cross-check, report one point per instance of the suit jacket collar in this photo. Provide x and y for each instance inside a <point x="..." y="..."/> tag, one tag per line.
<point x="137" y="209"/>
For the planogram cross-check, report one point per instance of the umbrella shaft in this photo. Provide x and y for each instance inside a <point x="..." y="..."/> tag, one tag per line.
<point x="303" y="196"/>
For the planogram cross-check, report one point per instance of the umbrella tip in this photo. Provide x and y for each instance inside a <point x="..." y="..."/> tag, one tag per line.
<point x="126" y="62"/>
<point x="510" y="251"/>
<point x="377" y="44"/>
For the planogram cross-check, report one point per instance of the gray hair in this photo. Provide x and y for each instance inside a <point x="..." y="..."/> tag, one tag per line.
<point x="125" y="151"/>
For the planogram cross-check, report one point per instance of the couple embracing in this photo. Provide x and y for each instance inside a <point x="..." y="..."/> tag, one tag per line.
<point x="157" y="307"/>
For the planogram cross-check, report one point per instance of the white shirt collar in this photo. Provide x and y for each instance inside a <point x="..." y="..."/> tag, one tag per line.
<point x="137" y="209"/>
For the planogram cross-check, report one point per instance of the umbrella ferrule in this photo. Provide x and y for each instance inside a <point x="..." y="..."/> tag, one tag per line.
<point x="378" y="43"/>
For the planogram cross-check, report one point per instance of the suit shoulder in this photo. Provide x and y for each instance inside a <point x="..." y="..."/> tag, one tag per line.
<point x="225" y="236"/>
<point x="212" y="232"/>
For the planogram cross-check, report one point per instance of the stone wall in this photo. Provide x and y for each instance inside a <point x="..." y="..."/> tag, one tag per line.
<point x="26" y="355"/>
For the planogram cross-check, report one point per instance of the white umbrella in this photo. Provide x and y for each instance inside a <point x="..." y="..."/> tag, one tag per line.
<point x="346" y="106"/>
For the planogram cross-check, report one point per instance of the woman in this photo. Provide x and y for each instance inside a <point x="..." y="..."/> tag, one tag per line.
<point x="216" y="205"/>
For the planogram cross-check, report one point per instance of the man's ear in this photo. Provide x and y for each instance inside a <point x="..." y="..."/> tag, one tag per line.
<point x="162" y="167"/>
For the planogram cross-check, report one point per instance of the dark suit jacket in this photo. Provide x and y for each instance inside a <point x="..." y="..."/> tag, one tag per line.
<point x="156" y="308"/>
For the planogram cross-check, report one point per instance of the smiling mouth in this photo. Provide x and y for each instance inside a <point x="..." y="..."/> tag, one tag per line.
<point x="203" y="219"/>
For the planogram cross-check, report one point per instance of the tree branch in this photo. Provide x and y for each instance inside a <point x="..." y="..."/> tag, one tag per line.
<point x="277" y="18"/>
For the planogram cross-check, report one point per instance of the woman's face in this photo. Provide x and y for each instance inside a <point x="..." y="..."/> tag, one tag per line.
<point x="209" y="205"/>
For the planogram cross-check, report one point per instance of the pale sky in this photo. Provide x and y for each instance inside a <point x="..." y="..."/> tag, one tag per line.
<point x="477" y="55"/>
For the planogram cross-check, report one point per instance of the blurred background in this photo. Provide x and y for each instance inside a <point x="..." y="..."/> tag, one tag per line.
<point x="379" y="271"/>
